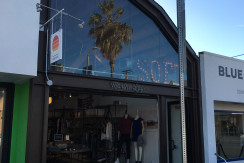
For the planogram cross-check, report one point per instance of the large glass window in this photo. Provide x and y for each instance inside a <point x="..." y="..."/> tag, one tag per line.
<point x="229" y="130"/>
<point x="98" y="128"/>
<point x="118" y="40"/>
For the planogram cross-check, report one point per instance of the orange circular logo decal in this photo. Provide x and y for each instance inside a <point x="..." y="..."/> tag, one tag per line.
<point x="55" y="44"/>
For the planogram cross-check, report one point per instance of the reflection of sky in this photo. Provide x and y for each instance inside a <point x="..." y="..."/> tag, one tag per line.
<point x="150" y="56"/>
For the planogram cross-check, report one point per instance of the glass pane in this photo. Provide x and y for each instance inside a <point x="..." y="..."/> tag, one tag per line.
<point x="107" y="128"/>
<point x="229" y="126"/>
<point x="175" y="139"/>
<point x="2" y="101"/>
<point x="124" y="43"/>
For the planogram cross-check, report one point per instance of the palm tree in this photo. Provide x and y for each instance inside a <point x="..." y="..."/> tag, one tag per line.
<point x="110" y="35"/>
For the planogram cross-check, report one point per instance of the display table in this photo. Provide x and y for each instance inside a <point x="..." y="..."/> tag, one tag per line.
<point x="70" y="153"/>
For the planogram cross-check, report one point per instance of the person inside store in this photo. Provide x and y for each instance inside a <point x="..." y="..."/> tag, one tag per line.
<point x="137" y="132"/>
<point x="124" y="129"/>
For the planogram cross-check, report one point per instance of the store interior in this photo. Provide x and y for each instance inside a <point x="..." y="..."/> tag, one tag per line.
<point x="229" y="129"/>
<point x="84" y="127"/>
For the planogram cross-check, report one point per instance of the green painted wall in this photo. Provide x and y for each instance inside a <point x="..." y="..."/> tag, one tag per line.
<point x="19" y="128"/>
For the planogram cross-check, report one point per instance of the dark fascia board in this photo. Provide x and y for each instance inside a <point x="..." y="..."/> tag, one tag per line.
<point x="100" y="83"/>
<point x="173" y="26"/>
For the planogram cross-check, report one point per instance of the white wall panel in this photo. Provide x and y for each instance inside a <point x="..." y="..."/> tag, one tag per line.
<point x="19" y="37"/>
<point x="216" y="87"/>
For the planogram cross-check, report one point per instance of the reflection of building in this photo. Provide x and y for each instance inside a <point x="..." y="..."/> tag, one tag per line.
<point x="146" y="40"/>
<point x="223" y="108"/>
<point x="82" y="103"/>
<point x="18" y="66"/>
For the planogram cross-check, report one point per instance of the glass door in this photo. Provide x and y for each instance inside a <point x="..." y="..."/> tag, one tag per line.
<point x="175" y="142"/>
<point x="2" y="103"/>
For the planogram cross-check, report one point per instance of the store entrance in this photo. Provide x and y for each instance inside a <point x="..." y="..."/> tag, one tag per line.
<point x="175" y="141"/>
<point x="88" y="127"/>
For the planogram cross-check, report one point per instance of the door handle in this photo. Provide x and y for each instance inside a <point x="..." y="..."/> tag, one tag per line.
<point x="172" y="144"/>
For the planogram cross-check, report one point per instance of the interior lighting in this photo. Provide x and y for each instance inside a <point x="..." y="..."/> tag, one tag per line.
<point x="143" y="70"/>
<point x="50" y="100"/>
<point x="70" y="95"/>
<point x="158" y="65"/>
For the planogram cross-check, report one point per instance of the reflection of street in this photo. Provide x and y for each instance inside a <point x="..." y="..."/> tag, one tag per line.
<point x="119" y="41"/>
<point x="231" y="146"/>
<point x="126" y="73"/>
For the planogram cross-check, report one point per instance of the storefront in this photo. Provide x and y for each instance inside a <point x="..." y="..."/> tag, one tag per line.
<point x="223" y="107"/>
<point x="122" y="62"/>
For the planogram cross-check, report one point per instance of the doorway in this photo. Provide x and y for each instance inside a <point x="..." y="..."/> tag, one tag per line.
<point x="175" y="141"/>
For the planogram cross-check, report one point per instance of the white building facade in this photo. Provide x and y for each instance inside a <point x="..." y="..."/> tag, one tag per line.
<point x="222" y="84"/>
<point x="19" y="38"/>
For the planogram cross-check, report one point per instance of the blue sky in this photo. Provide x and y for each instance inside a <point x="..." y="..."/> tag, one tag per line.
<point x="215" y="26"/>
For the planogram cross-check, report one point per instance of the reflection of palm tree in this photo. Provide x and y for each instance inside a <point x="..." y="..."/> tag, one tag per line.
<point x="108" y="32"/>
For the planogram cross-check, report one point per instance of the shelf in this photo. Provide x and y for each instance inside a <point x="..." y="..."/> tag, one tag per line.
<point x="96" y="107"/>
<point x="109" y="106"/>
<point x="53" y="117"/>
<point x="81" y="118"/>
<point x="88" y="127"/>
<point x="52" y="125"/>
